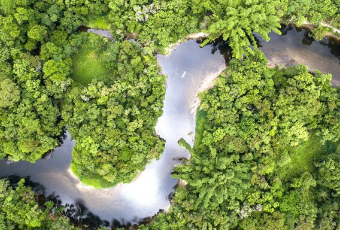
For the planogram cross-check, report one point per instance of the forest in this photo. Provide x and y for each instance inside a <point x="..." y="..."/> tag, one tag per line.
<point x="21" y="210"/>
<point x="247" y="169"/>
<point x="266" y="148"/>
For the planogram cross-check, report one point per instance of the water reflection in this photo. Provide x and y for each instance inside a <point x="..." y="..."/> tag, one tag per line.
<point x="296" y="47"/>
<point x="187" y="67"/>
<point x="190" y="69"/>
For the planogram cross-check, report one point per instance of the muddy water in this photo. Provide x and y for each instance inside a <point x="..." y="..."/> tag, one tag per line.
<point x="190" y="69"/>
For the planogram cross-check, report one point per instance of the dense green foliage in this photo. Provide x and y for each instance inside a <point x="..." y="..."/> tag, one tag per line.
<point x="314" y="11"/>
<point x="32" y="84"/>
<point x="54" y="76"/>
<point x="303" y="156"/>
<point x="113" y="119"/>
<point x="20" y="210"/>
<point x="317" y="12"/>
<point x="154" y="23"/>
<point x="264" y="155"/>
<point x="159" y="23"/>
<point x="29" y="115"/>
<point x="236" y="21"/>
<point x="254" y="120"/>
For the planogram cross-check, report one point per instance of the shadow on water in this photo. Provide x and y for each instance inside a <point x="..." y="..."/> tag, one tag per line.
<point x="36" y="187"/>
<point x="296" y="46"/>
<point x="77" y="212"/>
<point x="332" y="43"/>
<point x="219" y="46"/>
<point x="129" y="226"/>
<point x="61" y="138"/>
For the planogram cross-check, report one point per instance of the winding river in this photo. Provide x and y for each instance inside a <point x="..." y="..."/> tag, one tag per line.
<point x="190" y="69"/>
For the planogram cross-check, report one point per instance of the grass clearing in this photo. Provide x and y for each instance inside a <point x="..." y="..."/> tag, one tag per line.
<point x="99" y="22"/>
<point x="304" y="156"/>
<point x="88" y="65"/>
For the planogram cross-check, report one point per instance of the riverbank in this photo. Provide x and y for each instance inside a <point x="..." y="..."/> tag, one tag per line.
<point x="207" y="84"/>
<point x="335" y="34"/>
<point x="171" y="47"/>
<point x="296" y="47"/>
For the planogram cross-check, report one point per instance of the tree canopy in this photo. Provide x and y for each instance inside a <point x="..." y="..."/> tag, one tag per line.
<point x="237" y="21"/>
<point x="254" y="123"/>
<point x="252" y="120"/>
<point x="19" y="209"/>
<point x="113" y="117"/>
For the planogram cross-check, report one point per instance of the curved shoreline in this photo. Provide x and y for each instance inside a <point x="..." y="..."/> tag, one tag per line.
<point x="192" y="36"/>
<point x="169" y="49"/>
<point x="332" y="34"/>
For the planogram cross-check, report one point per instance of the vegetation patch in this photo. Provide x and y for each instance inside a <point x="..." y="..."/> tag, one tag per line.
<point x="98" y="22"/>
<point x="91" y="60"/>
<point x="113" y="119"/>
<point x="19" y="207"/>
<point x="199" y="129"/>
<point x="258" y="123"/>
<point x="93" y="180"/>
<point x="87" y="65"/>
<point x="250" y="117"/>
<point x="304" y="156"/>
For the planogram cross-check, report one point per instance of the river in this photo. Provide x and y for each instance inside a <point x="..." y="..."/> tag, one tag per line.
<point x="295" y="47"/>
<point x="190" y="69"/>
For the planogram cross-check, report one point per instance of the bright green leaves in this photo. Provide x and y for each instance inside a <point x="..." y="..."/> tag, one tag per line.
<point x="19" y="206"/>
<point x="50" y="50"/>
<point x="300" y="201"/>
<point x="37" y="33"/>
<point x="111" y="118"/>
<point x="56" y="70"/>
<point x="22" y="15"/>
<point x="253" y="117"/>
<point x="156" y="24"/>
<point x="9" y="30"/>
<point x="240" y="20"/>
<point x="314" y="11"/>
<point x="29" y="117"/>
<point x="329" y="173"/>
<point x="19" y="209"/>
<point x="7" y="6"/>
<point x="9" y="93"/>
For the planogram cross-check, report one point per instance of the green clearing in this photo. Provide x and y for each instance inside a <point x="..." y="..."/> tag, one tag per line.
<point x="88" y="64"/>
<point x="304" y="156"/>
<point x="99" y="22"/>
